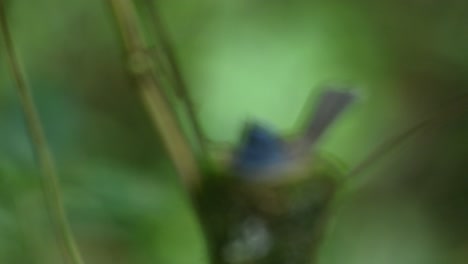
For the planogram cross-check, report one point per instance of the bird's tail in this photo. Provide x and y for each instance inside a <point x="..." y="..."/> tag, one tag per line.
<point x="331" y="104"/>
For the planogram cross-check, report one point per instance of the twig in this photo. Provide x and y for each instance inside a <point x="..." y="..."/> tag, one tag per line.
<point x="178" y="80"/>
<point x="154" y="100"/>
<point x="448" y="112"/>
<point x="386" y="147"/>
<point x="49" y="179"/>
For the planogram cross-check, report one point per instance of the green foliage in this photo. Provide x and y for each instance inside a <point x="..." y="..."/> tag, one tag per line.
<point x="241" y="60"/>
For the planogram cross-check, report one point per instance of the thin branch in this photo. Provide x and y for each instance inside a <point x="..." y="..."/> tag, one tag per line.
<point x="50" y="182"/>
<point x="154" y="100"/>
<point x="455" y="108"/>
<point x="451" y="111"/>
<point x="174" y="70"/>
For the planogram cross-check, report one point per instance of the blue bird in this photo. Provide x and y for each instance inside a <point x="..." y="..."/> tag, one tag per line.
<point x="263" y="155"/>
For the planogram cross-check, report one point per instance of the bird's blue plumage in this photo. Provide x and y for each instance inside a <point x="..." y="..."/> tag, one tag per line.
<point x="263" y="153"/>
<point x="261" y="148"/>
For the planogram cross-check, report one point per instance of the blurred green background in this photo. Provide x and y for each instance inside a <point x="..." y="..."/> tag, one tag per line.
<point x="242" y="60"/>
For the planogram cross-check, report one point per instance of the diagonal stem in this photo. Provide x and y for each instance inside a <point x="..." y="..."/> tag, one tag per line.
<point x="451" y="110"/>
<point x="160" y="31"/>
<point x="154" y="100"/>
<point x="49" y="179"/>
